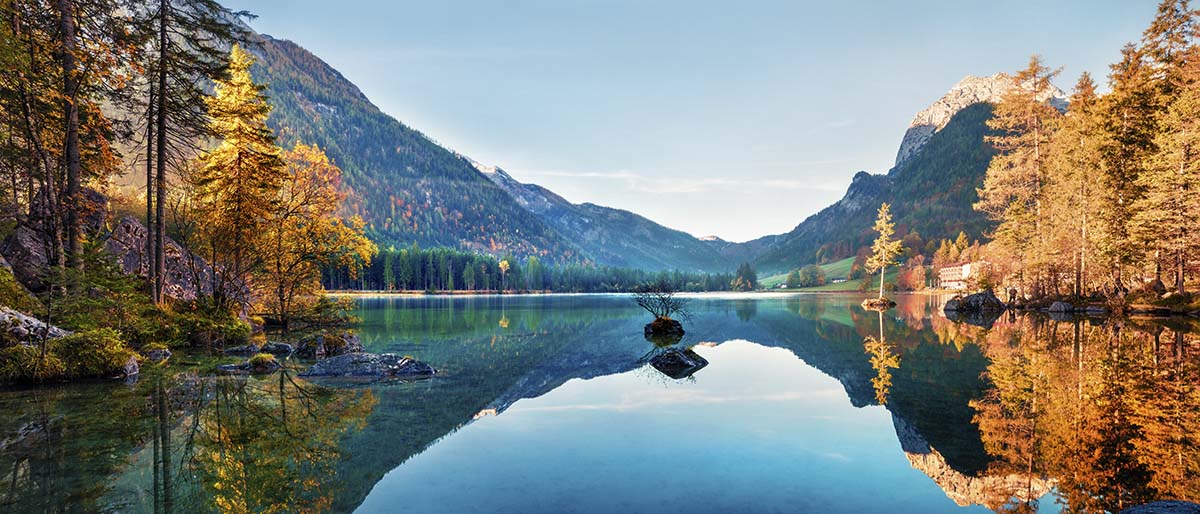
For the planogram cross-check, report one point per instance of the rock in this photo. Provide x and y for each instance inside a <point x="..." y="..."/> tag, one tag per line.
<point x="158" y="355"/>
<point x="1164" y="507"/>
<point x="1061" y="307"/>
<point x="27" y="251"/>
<point x="186" y="276"/>
<point x="1156" y="287"/>
<point x="252" y="366"/>
<point x="93" y="211"/>
<point x="677" y="363"/>
<point x="131" y="369"/>
<point x="278" y="349"/>
<point x="370" y="365"/>
<point x="978" y="302"/>
<point x="664" y="327"/>
<point x="1096" y="310"/>
<point x="245" y="350"/>
<point x="322" y="345"/>
<point x="878" y="304"/>
<point x="18" y="328"/>
<point x="968" y="91"/>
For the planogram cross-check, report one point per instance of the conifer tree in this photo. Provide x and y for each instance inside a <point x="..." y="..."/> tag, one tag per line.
<point x="885" y="249"/>
<point x="1076" y="169"/>
<point x="239" y="179"/>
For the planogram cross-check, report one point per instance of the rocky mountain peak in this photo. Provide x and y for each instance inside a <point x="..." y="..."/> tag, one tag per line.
<point x="968" y="91"/>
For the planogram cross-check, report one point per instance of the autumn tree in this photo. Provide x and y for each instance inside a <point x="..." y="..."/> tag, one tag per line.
<point x="302" y="232"/>
<point x="885" y="249"/>
<point x="1013" y="191"/>
<point x="240" y="179"/>
<point x="1165" y="215"/>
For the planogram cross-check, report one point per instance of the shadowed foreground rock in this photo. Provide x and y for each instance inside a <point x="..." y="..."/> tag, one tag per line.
<point x="370" y="365"/>
<point x="186" y="275"/>
<point x="1165" y="507"/>
<point x="677" y="363"/>
<point x="978" y="302"/>
<point x="22" y="329"/>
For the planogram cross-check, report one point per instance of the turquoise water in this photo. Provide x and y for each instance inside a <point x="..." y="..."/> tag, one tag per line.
<point x="549" y="404"/>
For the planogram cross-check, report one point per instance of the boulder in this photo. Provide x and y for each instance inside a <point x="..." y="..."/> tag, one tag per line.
<point x="255" y="365"/>
<point x="678" y="363"/>
<point x="878" y="304"/>
<point x="1061" y="307"/>
<point x="245" y="350"/>
<point x="978" y="302"/>
<point x="18" y="328"/>
<point x="158" y="355"/>
<point x="1164" y="507"/>
<point x="323" y="345"/>
<point x="27" y="252"/>
<point x="278" y="349"/>
<point x="131" y="368"/>
<point x="186" y="275"/>
<point x="664" y="327"/>
<point x="370" y="365"/>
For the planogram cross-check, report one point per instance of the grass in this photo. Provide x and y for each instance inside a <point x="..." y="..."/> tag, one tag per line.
<point x="836" y="269"/>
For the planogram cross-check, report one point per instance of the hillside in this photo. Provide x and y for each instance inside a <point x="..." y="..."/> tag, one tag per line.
<point x="613" y="236"/>
<point x="404" y="185"/>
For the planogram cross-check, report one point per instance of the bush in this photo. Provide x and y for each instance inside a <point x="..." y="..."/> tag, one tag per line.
<point x="21" y="364"/>
<point x="212" y="329"/>
<point x="91" y="354"/>
<point x="14" y="296"/>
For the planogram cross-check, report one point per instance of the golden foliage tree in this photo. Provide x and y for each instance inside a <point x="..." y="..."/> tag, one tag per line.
<point x="885" y="249"/>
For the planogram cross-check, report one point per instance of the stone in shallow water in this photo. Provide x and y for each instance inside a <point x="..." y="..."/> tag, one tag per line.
<point x="370" y="365"/>
<point x="677" y="363"/>
<point x="1165" y="507"/>
<point x="278" y="349"/>
<point x="245" y="350"/>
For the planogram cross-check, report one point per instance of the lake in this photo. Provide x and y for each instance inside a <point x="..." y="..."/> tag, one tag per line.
<point x="808" y="403"/>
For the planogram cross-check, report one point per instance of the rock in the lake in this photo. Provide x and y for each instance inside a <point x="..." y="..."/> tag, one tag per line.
<point x="677" y="363"/>
<point x="1165" y="507"/>
<point x="1061" y="307"/>
<point x="158" y="355"/>
<point x="370" y="365"/>
<point x="260" y="364"/>
<point x="878" y="304"/>
<point x="323" y="345"/>
<point x="664" y="327"/>
<point x="245" y="350"/>
<point x="978" y="302"/>
<point x="278" y="349"/>
<point x="18" y="328"/>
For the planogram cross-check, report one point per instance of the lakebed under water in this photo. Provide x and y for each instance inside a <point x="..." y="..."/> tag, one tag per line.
<point x="549" y="404"/>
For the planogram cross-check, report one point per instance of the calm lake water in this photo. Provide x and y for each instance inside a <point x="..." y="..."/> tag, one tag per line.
<point x="549" y="404"/>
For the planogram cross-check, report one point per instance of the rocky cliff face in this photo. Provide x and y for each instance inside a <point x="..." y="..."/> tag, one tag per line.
<point x="968" y="91"/>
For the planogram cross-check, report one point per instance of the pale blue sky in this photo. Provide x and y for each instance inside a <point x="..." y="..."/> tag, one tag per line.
<point x="735" y="119"/>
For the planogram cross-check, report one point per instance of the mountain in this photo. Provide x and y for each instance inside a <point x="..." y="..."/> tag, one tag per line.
<point x="942" y="160"/>
<point x="411" y="189"/>
<point x="612" y="236"/>
<point x="405" y="186"/>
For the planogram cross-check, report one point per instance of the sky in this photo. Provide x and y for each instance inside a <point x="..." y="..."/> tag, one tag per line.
<point x="734" y="119"/>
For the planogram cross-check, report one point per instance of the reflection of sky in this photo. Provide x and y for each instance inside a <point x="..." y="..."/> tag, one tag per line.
<point x="756" y="430"/>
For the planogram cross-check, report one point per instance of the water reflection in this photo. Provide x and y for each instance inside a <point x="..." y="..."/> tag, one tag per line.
<point x="1018" y="413"/>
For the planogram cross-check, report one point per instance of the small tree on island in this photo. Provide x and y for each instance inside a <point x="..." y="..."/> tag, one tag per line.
<point x="885" y="249"/>
<point x="658" y="298"/>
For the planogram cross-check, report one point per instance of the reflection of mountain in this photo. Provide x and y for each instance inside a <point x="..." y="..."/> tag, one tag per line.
<point x="491" y="368"/>
<point x="965" y="489"/>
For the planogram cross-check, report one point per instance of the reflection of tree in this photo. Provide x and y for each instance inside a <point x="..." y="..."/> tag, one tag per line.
<point x="883" y="360"/>
<point x="271" y="446"/>
<point x="1167" y="408"/>
<point x="745" y="309"/>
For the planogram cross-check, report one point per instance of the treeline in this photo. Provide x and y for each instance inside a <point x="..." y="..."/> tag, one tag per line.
<point x="1104" y="196"/>
<point x="450" y="270"/>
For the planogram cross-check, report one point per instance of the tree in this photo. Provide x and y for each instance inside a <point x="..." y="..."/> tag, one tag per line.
<point x="746" y="279"/>
<point x="1013" y="191"/>
<point x="659" y="299"/>
<point x="504" y="267"/>
<point x="302" y="232"/>
<point x="885" y="249"/>
<point x="1165" y="215"/>
<point x="793" y="279"/>
<point x="811" y="276"/>
<point x="239" y="180"/>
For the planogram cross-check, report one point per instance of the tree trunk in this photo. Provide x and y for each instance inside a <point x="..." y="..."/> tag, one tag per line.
<point x="67" y="25"/>
<point x="151" y="262"/>
<point x="882" y="272"/>
<point x="160" y="178"/>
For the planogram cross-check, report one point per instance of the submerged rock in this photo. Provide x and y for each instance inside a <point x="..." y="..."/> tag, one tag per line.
<point x="323" y="345"/>
<point x="678" y="363"/>
<point x="664" y="327"/>
<point x="370" y="365"/>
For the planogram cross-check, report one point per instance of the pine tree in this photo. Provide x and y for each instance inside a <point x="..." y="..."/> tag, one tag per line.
<point x="1076" y="168"/>
<point x="1013" y="192"/>
<point x="239" y="179"/>
<point x="885" y="249"/>
<point x="1165" y="217"/>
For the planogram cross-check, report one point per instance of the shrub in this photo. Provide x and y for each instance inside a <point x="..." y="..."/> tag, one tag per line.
<point x="261" y="360"/>
<point x="21" y="364"/>
<point x="13" y="295"/>
<point x="95" y="353"/>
